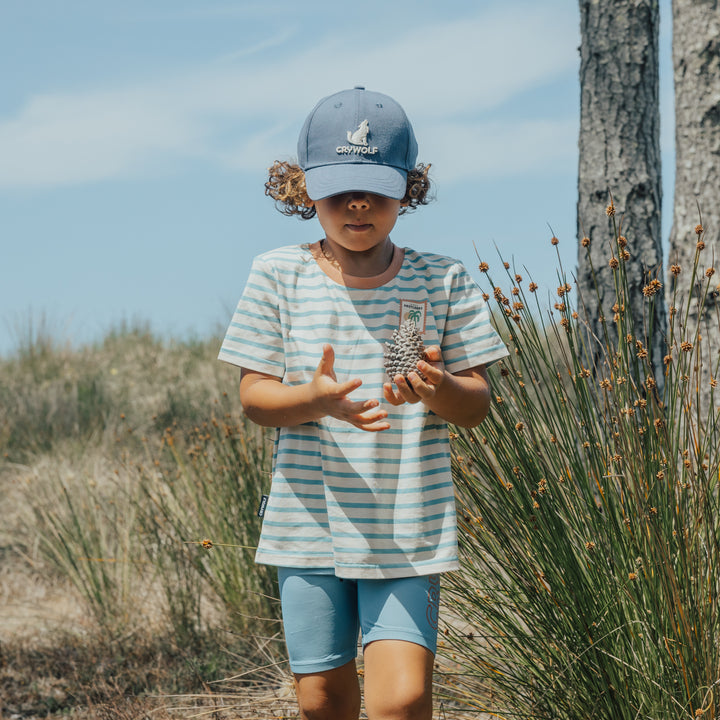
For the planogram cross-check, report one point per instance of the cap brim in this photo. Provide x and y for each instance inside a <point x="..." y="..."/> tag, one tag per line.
<point x="322" y="182"/>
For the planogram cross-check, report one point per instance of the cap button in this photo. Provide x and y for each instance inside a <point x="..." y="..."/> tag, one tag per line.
<point x="359" y="87"/>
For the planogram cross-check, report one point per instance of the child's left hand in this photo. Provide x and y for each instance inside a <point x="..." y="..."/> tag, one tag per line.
<point x="414" y="389"/>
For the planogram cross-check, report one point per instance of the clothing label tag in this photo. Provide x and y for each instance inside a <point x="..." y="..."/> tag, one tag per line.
<point x="415" y="311"/>
<point x="263" y="505"/>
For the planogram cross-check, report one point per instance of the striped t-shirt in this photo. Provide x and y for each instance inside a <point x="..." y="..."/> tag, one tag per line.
<point x="366" y="504"/>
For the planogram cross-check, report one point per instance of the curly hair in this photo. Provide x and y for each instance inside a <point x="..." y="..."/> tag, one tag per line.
<point x="286" y="186"/>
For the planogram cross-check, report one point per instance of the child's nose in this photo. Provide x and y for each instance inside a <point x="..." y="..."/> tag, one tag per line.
<point x="358" y="201"/>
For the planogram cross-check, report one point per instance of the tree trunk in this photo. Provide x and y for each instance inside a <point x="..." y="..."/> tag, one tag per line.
<point x="619" y="149"/>
<point x="696" y="61"/>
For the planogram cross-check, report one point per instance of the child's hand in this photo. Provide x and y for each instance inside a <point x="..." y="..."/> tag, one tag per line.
<point x="413" y="389"/>
<point x="331" y="397"/>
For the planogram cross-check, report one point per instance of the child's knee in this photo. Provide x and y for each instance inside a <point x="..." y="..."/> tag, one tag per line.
<point x="328" y="706"/>
<point x="329" y="696"/>
<point x="407" y="703"/>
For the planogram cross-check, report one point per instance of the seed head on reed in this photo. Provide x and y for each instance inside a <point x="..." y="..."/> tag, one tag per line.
<point x="652" y="288"/>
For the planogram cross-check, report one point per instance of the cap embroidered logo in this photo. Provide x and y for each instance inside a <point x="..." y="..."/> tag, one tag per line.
<point x="358" y="142"/>
<point x="359" y="137"/>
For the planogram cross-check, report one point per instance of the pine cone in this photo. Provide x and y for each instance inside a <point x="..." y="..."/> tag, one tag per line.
<point x="402" y="355"/>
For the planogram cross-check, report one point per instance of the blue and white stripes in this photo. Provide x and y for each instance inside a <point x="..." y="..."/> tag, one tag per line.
<point x="369" y="505"/>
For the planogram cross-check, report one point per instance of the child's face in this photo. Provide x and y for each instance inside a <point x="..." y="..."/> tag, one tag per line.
<point x="357" y="221"/>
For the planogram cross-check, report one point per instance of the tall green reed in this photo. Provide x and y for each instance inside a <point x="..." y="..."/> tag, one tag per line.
<point x="589" y="513"/>
<point x="201" y="501"/>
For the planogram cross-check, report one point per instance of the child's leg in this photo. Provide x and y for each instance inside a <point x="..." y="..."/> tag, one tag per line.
<point x="399" y="625"/>
<point x="398" y="680"/>
<point x="321" y="631"/>
<point x="329" y="695"/>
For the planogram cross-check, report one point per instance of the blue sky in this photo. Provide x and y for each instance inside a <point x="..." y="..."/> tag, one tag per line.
<point x="135" y="136"/>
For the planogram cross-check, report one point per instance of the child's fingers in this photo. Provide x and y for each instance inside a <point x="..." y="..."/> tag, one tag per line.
<point x="345" y="388"/>
<point x="390" y="395"/>
<point x="375" y="426"/>
<point x="432" y="372"/>
<point x="406" y="387"/>
<point x="433" y="353"/>
<point x="326" y="366"/>
<point x="367" y="415"/>
<point x="375" y="421"/>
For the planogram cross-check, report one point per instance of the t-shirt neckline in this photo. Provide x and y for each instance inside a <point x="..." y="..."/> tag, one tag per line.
<point x="353" y="281"/>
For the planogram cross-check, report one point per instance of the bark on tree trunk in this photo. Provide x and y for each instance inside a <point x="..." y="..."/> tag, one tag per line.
<point x="696" y="61"/>
<point x="619" y="147"/>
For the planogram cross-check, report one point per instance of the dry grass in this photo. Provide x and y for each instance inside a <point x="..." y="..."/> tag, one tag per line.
<point x="92" y="421"/>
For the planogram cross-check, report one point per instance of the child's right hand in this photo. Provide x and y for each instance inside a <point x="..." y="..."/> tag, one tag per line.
<point x="331" y="397"/>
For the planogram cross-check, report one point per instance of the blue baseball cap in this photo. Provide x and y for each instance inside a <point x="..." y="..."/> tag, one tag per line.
<point x="357" y="140"/>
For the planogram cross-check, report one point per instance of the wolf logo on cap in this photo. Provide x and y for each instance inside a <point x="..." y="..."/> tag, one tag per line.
<point x="359" y="137"/>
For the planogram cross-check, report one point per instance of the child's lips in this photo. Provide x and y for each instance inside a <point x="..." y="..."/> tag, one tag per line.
<point x="358" y="227"/>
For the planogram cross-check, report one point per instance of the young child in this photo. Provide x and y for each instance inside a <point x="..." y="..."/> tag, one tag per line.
<point x="361" y="516"/>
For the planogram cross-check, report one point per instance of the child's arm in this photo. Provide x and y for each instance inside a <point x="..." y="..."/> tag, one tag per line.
<point x="267" y="401"/>
<point x="462" y="398"/>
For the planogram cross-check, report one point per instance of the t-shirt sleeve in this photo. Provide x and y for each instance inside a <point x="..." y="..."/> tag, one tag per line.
<point x="254" y="338"/>
<point x="469" y="338"/>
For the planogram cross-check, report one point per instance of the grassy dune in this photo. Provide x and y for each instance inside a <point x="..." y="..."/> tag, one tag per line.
<point x="117" y="461"/>
<point x="130" y="484"/>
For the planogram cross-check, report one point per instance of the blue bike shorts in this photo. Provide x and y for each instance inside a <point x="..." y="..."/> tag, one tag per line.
<point x="323" y="614"/>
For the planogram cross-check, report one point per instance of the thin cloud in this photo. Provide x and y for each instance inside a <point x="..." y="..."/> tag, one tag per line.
<point x="228" y="111"/>
<point x="278" y="40"/>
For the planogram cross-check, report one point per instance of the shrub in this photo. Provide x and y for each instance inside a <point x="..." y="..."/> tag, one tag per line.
<point x="589" y="517"/>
